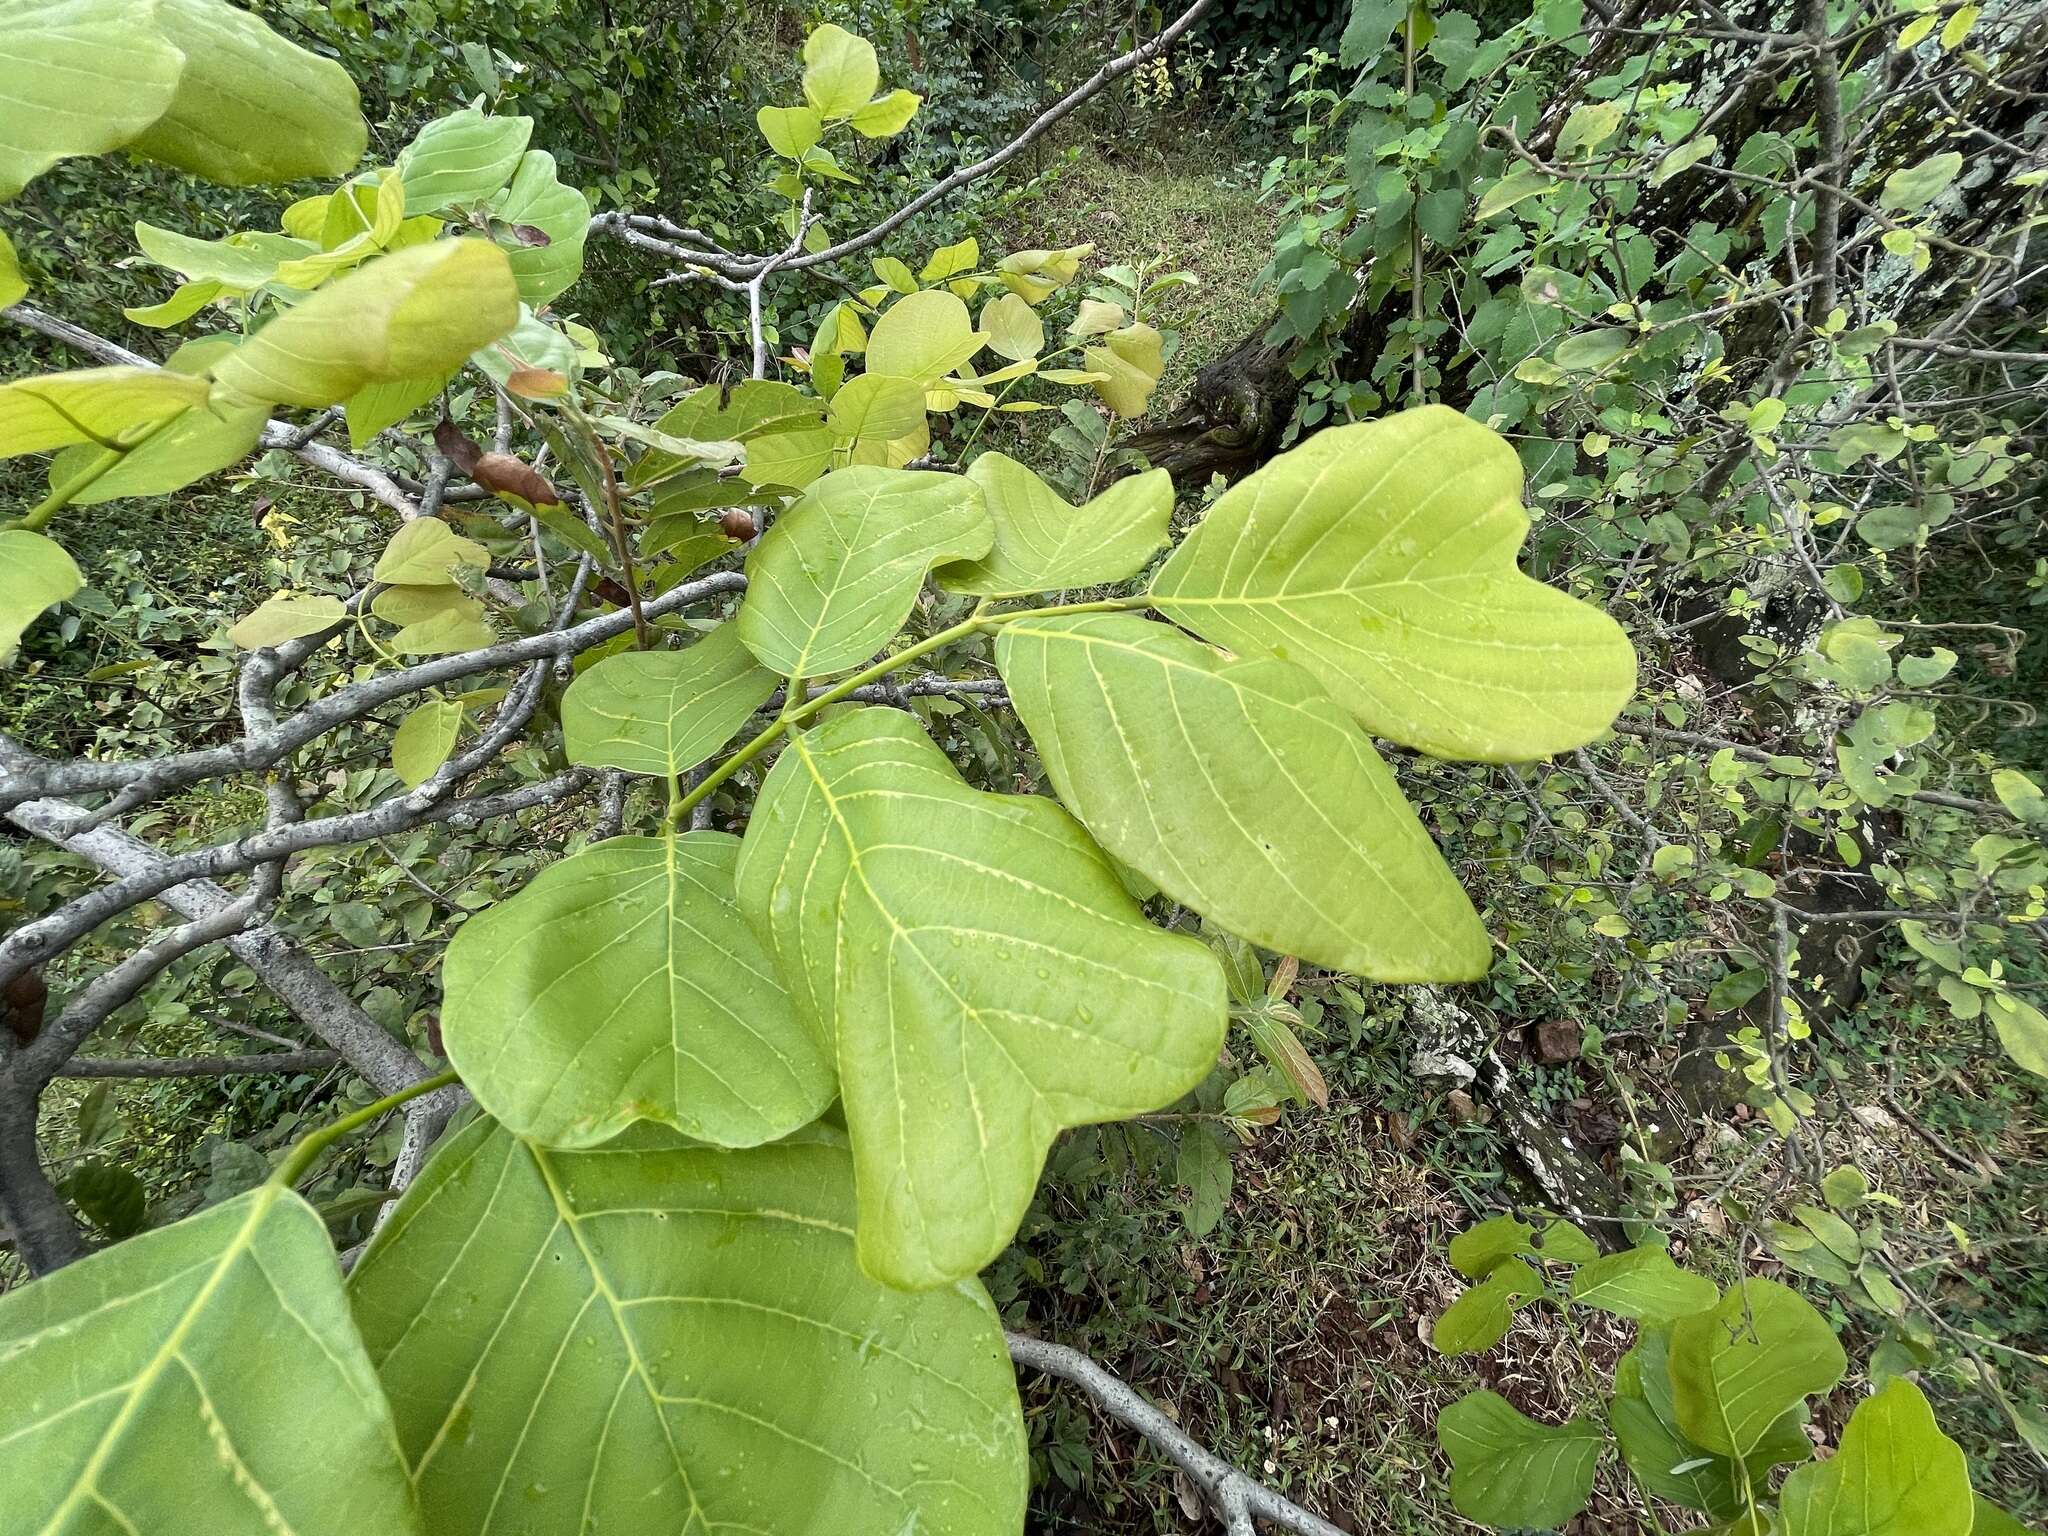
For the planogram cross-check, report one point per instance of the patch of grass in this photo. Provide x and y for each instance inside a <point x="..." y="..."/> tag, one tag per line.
<point x="1195" y="207"/>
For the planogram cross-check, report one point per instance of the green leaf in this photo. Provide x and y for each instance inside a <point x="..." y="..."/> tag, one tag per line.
<point x="1510" y="190"/>
<point x="887" y="115"/>
<point x="416" y="605"/>
<point x="840" y="72"/>
<point x="1590" y="351"/>
<point x="664" y="712"/>
<point x="790" y="131"/>
<point x="1737" y="1369"/>
<point x="1043" y="544"/>
<point x="1656" y="1450"/>
<point x="424" y="739"/>
<point x="127" y="1383"/>
<point x="1989" y="1519"/>
<point x="1381" y="558"/>
<point x="1643" y="1284"/>
<point x="749" y="413"/>
<point x="385" y="404"/>
<point x="35" y="574"/>
<point x="466" y="157"/>
<point x="111" y="1197"/>
<point x="1588" y="127"/>
<point x="420" y="311"/>
<point x="1012" y="327"/>
<point x="538" y="199"/>
<point x="1133" y="361"/>
<point x="878" y="408"/>
<point x="839" y="571"/>
<point x="1895" y="1474"/>
<point x="1243" y="791"/>
<point x="622" y="984"/>
<point x="923" y="336"/>
<point x="1684" y="158"/>
<point x="654" y="1338"/>
<point x="448" y="631"/>
<point x="1509" y="1470"/>
<point x="250" y="108"/>
<point x="1203" y="1165"/>
<point x="1479" y="1318"/>
<point x="287" y="616"/>
<point x="234" y="263"/>
<point x="1477" y="1251"/>
<point x="1913" y="187"/>
<point x="110" y="407"/>
<point x="790" y="459"/>
<point x="984" y="976"/>
<point x="51" y="51"/>
<point x="2022" y="1030"/>
<point x="426" y="552"/>
<point x="12" y="284"/>
<point x="2019" y="794"/>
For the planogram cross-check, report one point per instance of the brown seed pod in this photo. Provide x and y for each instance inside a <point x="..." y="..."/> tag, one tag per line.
<point x="737" y="523"/>
<point x="456" y="446"/>
<point x="508" y="476"/>
<point x="23" y="1004"/>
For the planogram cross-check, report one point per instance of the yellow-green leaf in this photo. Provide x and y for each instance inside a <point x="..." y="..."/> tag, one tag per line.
<point x="111" y="407"/>
<point x="1381" y="557"/>
<point x="35" y="573"/>
<point x="424" y="739"/>
<point x="287" y="616"/>
<point x="887" y="115"/>
<point x="840" y="72"/>
<point x="426" y="552"/>
<point x="1043" y="544"/>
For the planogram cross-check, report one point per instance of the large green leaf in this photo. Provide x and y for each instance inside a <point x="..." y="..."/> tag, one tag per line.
<point x="251" y="107"/>
<point x="923" y="336"/>
<point x="1658" y="1455"/>
<point x="1895" y="1474"/>
<point x="35" y="572"/>
<point x="83" y="77"/>
<point x="188" y="447"/>
<point x="1479" y="1318"/>
<point x="985" y="977"/>
<point x="840" y="72"/>
<point x="109" y="407"/>
<point x="837" y="574"/>
<point x="420" y="311"/>
<point x="622" y="984"/>
<point x="463" y="158"/>
<point x="651" y="1339"/>
<point x="745" y="413"/>
<point x="662" y="712"/>
<point x="1642" y="1283"/>
<point x="171" y="1384"/>
<point x="1243" y="791"/>
<point x="1381" y="557"/>
<point x="1043" y="544"/>
<point x="1737" y="1369"/>
<point x="1508" y="1470"/>
<point x="537" y="199"/>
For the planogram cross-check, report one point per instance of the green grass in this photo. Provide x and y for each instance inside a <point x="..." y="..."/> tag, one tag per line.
<point x="1196" y="208"/>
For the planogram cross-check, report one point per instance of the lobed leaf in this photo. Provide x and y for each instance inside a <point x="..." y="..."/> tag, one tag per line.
<point x="1381" y="558"/>
<point x="839" y="571"/>
<point x="664" y="712"/>
<point x="1508" y="1470"/>
<point x="622" y="984"/>
<point x="1043" y="544"/>
<point x="1243" y="791"/>
<point x="651" y="1338"/>
<point x="980" y="972"/>
<point x="1894" y="1474"/>
<point x="129" y="1383"/>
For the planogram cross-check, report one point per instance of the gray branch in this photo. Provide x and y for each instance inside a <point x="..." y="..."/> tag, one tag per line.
<point x="701" y="252"/>
<point x="1233" y="1495"/>
<point x="262" y="1063"/>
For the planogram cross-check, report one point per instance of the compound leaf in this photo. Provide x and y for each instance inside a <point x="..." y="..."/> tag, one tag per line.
<point x="1381" y="557"/>
<point x="622" y="984"/>
<point x="838" y="573"/>
<point x="652" y="1338"/>
<point x="1043" y="544"/>
<point x="664" y="712"/>
<point x="984" y="977"/>
<point x="1241" y="790"/>
<point x="129" y="1383"/>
